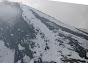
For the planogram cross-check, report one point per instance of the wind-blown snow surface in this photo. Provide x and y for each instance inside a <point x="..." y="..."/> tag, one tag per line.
<point x="30" y="36"/>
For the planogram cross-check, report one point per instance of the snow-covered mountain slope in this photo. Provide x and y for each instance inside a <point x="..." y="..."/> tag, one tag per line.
<point x="84" y="30"/>
<point x="30" y="36"/>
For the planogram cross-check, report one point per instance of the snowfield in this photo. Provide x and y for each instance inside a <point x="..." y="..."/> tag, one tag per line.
<point x="30" y="36"/>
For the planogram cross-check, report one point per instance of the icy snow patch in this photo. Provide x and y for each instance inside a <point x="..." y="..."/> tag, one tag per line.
<point x="87" y="54"/>
<point x="20" y="47"/>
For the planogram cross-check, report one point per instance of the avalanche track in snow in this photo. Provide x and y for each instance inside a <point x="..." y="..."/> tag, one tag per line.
<point x="30" y="36"/>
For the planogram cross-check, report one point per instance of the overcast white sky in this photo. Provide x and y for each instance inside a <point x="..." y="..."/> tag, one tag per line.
<point x="74" y="1"/>
<point x="71" y="14"/>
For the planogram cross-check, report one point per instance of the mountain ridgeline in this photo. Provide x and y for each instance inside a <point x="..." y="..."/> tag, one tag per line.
<point x="30" y="36"/>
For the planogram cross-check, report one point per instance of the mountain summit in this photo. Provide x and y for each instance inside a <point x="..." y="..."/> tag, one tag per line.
<point x="30" y="36"/>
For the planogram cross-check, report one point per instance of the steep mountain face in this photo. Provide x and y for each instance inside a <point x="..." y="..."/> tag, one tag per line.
<point x="30" y="36"/>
